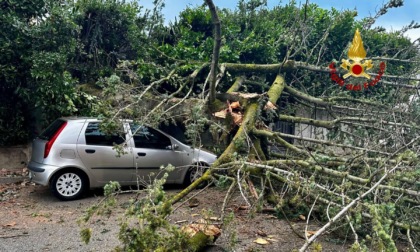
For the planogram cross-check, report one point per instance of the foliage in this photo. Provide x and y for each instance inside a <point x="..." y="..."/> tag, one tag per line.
<point x="108" y="34"/>
<point x="196" y="126"/>
<point x="382" y="216"/>
<point x="254" y="34"/>
<point x="39" y="39"/>
<point x="48" y="48"/>
<point x="144" y="226"/>
<point x="14" y="41"/>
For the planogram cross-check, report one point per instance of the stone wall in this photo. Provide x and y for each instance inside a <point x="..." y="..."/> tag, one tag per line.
<point x="15" y="158"/>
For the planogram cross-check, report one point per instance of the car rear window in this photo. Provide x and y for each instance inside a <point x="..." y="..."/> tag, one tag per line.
<point x="52" y="129"/>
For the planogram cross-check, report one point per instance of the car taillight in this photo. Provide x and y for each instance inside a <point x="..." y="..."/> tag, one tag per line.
<point x="50" y="142"/>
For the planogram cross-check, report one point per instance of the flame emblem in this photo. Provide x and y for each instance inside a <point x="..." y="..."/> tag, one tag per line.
<point x="356" y="65"/>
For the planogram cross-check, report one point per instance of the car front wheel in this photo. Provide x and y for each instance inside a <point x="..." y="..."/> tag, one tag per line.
<point x="68" y="185"/>
<point x="194" y="173"/>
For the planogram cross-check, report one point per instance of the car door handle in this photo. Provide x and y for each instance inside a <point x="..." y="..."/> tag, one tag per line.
<point x="141" y="154"/>
<point x="90" y="151"/>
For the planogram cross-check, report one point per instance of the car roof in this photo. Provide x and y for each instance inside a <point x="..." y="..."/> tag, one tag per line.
<point x="89" y="119"/>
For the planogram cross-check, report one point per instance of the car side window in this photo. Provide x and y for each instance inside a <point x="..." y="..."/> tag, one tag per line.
<point x="94" y="136"/>
<point x="146" y="137"/>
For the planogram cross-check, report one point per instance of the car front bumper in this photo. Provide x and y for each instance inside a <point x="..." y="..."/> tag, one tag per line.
<point x="41" y="173"/>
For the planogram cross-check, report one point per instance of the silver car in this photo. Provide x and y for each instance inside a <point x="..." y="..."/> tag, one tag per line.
<point x="74" y="154"/>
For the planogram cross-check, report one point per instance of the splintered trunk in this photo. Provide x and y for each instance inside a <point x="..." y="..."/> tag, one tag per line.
<point x="239" y="143"/>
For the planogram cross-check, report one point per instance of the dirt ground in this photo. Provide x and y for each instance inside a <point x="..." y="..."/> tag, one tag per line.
<point x="31" y="219"/>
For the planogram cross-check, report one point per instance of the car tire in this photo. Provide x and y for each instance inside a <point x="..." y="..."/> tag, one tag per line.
<point x="68" y="184"/>
<point x="195" y="172"/>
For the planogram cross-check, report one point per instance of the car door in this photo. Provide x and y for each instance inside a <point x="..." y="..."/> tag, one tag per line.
<point x="153" y="149"/>
<point x="98" y="154"/>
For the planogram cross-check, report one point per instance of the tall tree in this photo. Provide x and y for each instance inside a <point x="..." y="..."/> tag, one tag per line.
<point x="37" y="40"/>
<point x="109" y="33"/>
<point x="50" y="47"/>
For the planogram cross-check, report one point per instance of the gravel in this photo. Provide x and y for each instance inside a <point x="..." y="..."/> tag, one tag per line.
<point x="31" y="219"/>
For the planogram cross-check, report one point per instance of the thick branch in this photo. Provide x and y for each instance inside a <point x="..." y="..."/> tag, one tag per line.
<point x="290" y="65"/>
<point x="394" y="59"/>
<point x="318" y="168"/>
<point x="328" y="101"/>
<point x="216" y="50"/>
<point x="236" y="85"/>
<point x="276" y="89"/>
<point x="309" y="121"/>
<point x="312" y="165"/>
<point x="328" y="143"/>
<point x="252" y="68"/>
<point x="303" y="65"/>
<point x="396" y="84"/>
<point x="307" y="97"/>
<point x="347" y="120"/>
<point x="278" y="139"/>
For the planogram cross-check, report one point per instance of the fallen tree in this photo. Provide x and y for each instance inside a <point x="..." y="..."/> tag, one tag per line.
<point x="353" y="158"/>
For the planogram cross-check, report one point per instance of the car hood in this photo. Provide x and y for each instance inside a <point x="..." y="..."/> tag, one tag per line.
<point x="204" y="156"/>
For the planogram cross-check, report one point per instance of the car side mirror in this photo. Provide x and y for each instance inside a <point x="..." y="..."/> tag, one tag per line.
<point x="172" y="147"/>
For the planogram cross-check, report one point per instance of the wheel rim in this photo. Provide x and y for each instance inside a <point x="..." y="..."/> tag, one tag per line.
<point x="69" y="184"/>
<point x="195" y="173"/>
